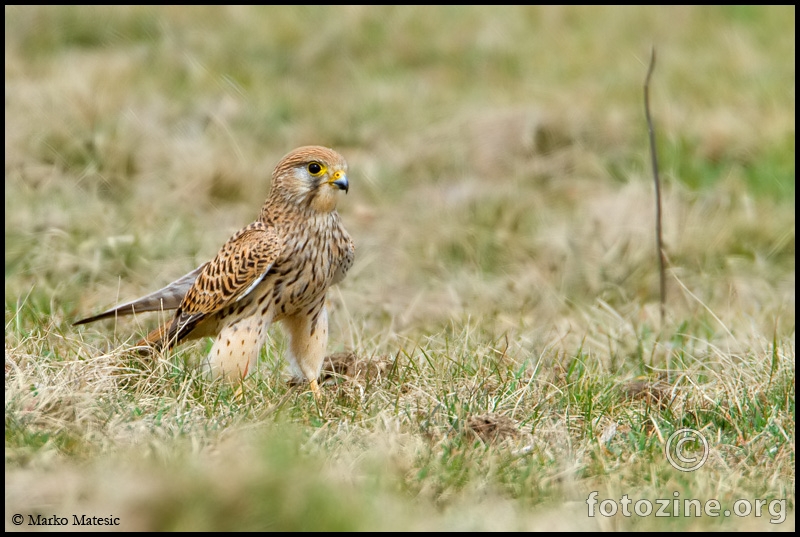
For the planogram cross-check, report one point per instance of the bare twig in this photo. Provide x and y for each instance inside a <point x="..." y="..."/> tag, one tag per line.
<point x="654" y="161"/>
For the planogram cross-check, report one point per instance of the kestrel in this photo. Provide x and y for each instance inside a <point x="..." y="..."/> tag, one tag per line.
<point x="276" y="269"/>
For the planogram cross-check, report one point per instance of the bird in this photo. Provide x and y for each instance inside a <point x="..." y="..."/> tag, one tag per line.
<point x="275" y="270"/>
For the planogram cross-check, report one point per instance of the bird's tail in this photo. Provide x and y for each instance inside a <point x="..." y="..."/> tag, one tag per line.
<point x="156" y="340"/>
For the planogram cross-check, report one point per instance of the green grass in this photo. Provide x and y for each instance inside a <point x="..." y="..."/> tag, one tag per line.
<point x="497" y="353"/>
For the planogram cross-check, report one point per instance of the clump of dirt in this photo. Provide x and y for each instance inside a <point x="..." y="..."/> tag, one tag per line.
<point x="492" y="428"/>
<point x="350" y="367"/>
<point x="652" y="392"/>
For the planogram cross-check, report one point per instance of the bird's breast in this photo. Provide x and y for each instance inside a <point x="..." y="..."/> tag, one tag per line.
<point x="301" y="275"/>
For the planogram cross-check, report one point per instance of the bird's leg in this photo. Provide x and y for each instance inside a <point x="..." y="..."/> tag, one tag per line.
<point x="308" y="337"/>
<point x="234" y="353"/>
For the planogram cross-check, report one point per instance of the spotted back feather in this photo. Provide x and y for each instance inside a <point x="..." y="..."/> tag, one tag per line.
<point x="239" y="266"/>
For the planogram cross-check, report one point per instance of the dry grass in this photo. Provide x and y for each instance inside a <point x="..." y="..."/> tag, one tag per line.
<point x="495" y="351"/>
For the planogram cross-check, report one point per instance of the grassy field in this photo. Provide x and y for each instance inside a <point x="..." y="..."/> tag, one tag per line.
<point x="497" y="354"/>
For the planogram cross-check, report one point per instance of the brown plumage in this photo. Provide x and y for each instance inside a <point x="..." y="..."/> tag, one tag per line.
<point x="276" y="269"/>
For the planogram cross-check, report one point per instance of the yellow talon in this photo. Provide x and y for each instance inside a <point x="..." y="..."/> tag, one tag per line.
<point x="315" y="389"/>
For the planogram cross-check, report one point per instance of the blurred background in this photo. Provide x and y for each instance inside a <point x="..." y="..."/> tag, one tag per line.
<point x="499" y="154"/>
<point x="501" y="190"/>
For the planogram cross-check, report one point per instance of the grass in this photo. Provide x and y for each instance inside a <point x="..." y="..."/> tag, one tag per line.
<point x="496" y="351"/>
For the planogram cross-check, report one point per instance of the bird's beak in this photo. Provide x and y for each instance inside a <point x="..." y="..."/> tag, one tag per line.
<point x="340" y="180"/>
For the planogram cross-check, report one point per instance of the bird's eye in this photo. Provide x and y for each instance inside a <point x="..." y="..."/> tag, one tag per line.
<point x="315" y="168"/>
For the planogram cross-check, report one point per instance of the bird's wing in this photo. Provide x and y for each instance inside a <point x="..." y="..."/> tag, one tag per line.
<point x="239" y="267"/>
<point x="166" y="298"/>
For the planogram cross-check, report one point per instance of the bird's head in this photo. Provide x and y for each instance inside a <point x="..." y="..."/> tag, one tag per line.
<point x="310" y="177"/>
